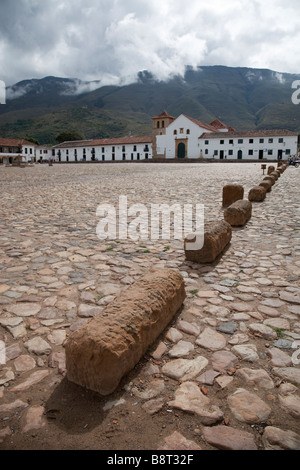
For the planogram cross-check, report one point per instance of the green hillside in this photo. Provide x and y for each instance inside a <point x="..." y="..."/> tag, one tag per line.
<point x="243" y="98"/>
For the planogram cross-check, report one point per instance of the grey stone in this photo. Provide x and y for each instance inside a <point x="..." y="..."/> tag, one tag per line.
<point x="228" y="327"/>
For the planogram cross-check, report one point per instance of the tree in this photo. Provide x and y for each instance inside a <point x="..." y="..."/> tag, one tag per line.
<point x="31" y="139"/>
<point x="68" y="136"/>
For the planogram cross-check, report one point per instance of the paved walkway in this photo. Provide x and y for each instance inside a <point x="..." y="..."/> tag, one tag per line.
<point x="226" y="373"/>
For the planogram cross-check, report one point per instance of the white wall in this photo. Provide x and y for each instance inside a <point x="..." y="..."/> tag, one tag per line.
<point x="266" y="149"/>
<point x="106" y="152"/>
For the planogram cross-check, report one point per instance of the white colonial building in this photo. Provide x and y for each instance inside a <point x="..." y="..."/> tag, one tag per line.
<point x="119" y="149"/>
<point x="185" y="137"/>
<point x="16" y="151"/>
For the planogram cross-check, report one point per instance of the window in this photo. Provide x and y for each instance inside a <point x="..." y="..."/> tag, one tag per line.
<point x="123" y="148"/>
<point x="103" y="150"/>
<point x="206" y="151"/>
<point x="240" y="141"/>
<point x="231" y="141"/>
<point x="270" y="141"/>
<point x="181" y="130"/>
<point x="251" y="141"/>
<point x="288" y="151"/>
<point x="187" y="131"/>
<point x="250" y="152"/>
<point x="280" y="140"/>
<point x="162" y="124"/>
<point x="157" y="125"/>
<point x="134" y="148"/>
<point x="230" y="152"/>
<point x="206" y="142"/>
<point x="270" y="152"/>
<point x="175" y="132"/>
<point x="216" y="152"/>
<point x="113" y="149"/>
<point x="221" y="142"/>
<point x="261" y="141"/>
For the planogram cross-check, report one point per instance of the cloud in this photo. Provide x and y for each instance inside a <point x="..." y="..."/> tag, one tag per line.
<point x="110" y="41"/>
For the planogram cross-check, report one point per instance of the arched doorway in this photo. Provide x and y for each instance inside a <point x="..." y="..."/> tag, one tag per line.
<point x="240" y="155"/>
<point x="181" y="150"/>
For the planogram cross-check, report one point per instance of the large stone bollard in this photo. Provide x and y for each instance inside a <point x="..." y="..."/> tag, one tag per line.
<point x="232" y="193"/>
<point x="271" y="179"/>
<point x="101" y="352"/>
<point x="257" y="194"/>
<point x="275" y="175"/>
<point x="266" y="184"/>
<point x="217" y="236"/>
<point x="238" y="213"/>
<point x="270" y="169"/>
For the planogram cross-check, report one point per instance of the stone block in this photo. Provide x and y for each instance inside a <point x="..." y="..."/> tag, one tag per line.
<point x="238" y="213"/>
<point x="275" y="175"/>
<point x="267" y="185"/>
<point x="217" y="236"/>
<point x="270" y="178"/>
<point x="271" y="169"/>
<point x="257" y="194"/>
<point x="102" y="351"/>
<point x="232" y="193"/>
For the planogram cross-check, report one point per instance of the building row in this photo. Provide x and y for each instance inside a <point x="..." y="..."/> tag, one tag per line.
<point x="172" y="138"/>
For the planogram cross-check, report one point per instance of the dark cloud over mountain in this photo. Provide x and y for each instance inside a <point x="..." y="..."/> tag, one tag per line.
<point x="112" y="40"/>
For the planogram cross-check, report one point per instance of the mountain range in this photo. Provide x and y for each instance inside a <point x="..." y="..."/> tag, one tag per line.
<point x="243" y="98"/>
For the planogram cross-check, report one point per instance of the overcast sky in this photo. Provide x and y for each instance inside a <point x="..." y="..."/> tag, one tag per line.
<point x="112" y="40"/>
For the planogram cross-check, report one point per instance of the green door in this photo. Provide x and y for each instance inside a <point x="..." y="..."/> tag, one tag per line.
<point x="181" y="150"/>
<point x="240" y="154"/>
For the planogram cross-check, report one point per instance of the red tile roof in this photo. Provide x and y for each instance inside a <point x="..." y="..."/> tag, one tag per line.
<point x="255" y="133"/>
<point x="101" y="142"/>
<point x="220" y="125"/>
<point x="14" y="142"/>
<point x="162" y="115"/>
<point x="209" y="127"/>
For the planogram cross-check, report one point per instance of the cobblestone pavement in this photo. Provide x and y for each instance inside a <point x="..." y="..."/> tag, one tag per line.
<point x="225" y="374"/>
